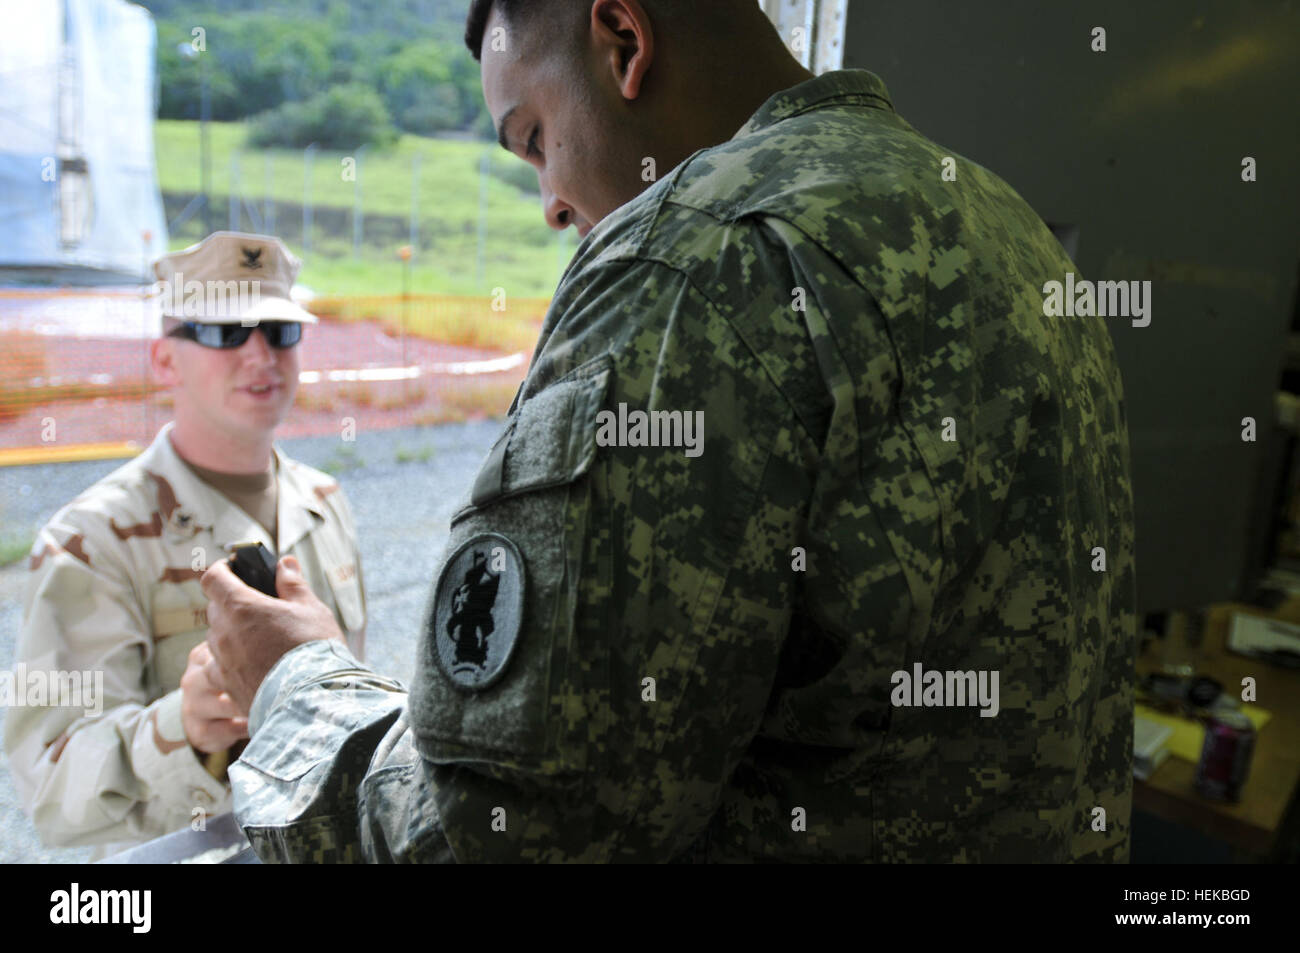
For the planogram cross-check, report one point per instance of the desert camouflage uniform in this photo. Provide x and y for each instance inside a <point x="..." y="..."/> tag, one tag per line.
<point x="768" y="731"/>
<point x="115" y="588"/>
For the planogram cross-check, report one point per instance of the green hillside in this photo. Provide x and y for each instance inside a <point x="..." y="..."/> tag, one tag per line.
<point x="521" y="253"/>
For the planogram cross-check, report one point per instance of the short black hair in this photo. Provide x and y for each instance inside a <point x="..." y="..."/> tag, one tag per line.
<point x="476" y="23"/>
<point x="560" y="30"/>
<point x="514" y="12"/>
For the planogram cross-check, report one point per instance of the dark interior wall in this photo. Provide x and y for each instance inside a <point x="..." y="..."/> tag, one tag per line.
<point x="1141" y="148"/>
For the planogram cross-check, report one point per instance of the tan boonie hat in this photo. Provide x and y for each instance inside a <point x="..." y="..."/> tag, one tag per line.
<point x="230" y="278"/>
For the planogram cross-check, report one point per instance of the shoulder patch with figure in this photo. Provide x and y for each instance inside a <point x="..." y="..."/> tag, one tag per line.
<point x="478" y="611"/>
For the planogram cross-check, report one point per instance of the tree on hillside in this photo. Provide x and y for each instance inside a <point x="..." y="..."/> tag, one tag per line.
<point x="255" y="62"/>
<point x="261" y="55"/>
<point x="419" y="90"/>
<point x="342" y="117"/>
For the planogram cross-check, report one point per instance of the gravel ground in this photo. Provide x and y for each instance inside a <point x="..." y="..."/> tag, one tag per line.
<point x="403" y="485"/>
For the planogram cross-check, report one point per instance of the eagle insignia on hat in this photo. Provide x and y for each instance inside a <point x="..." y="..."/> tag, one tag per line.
<point x="232" y="256"/>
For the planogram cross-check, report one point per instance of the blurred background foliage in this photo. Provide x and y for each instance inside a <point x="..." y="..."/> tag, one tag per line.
<point x="392" y="76"/>
<point x="291" y="64"/>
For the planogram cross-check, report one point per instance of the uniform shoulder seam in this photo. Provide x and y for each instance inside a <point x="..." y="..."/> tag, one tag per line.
<point x="775" y="385"/>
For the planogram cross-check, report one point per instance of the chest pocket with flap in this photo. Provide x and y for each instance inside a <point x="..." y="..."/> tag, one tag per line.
<point x="536" y="489"/>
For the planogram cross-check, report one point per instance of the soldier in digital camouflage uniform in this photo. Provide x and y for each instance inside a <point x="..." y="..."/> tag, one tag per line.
<point x="905" y="462"/>
<point x="115" y="573"/>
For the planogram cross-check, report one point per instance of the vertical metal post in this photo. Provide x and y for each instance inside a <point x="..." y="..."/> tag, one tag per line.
<point x="406" y="301"/>
<point x="485" y="163"/>
<point x="357" y="221"/>
<point x="72" y="187"/>
<point x="415" y="202"/>
<point x="405" y="253"/>
<point x="234" y="191"/>
<point x="410" y="250"/>
<point x="268" y="201"/>
<point x="205" y="150"/>
<point x="308" y="155"/>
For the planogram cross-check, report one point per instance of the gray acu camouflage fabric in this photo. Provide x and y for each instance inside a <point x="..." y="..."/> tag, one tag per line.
<point x="824" y="430"/>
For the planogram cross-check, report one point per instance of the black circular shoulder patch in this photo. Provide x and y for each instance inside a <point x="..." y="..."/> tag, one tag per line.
<point x="478" y="611"/>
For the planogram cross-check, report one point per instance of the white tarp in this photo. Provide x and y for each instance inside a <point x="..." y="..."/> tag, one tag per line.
<point x="77" y="183"/>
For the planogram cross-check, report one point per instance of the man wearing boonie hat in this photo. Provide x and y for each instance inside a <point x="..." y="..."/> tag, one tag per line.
<point x="115" y="574"/>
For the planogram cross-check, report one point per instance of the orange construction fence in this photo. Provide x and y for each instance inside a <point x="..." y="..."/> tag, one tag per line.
<point x="75" y="377"/>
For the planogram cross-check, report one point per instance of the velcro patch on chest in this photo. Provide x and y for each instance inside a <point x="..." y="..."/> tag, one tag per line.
<point x="478" y="611"/>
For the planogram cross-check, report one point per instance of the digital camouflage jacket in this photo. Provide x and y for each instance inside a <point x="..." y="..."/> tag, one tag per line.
<point x="650" y="645"/>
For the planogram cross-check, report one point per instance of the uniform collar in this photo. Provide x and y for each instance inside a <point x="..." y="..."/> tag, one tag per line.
<point x="855" y="86"/>
<point x="188" y="505"/>
<point x="298" y="507"/>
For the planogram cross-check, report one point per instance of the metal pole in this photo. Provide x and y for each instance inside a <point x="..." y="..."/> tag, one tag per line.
<point x="410" y="251"/>
<point x="484" y="165"/>
<point x="234" y="191"/>
<point x="357" y="221"/>
<point x="205" y="151"/>
<point x="406" y="308"/>
<point x="406" y="303"/>
<point x="308" y="155"/>
<point x="415" y="201"/>
<point x="268" y="205"/>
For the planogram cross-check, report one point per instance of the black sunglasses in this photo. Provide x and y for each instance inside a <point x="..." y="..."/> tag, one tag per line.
<point x="279" y="334"/>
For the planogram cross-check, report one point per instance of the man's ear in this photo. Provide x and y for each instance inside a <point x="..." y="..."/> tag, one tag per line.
<point x="623" y="32"/>
<point x="162" y="361"/>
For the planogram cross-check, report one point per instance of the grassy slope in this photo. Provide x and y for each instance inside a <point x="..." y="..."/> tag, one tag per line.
<point x="522" y="254"/>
